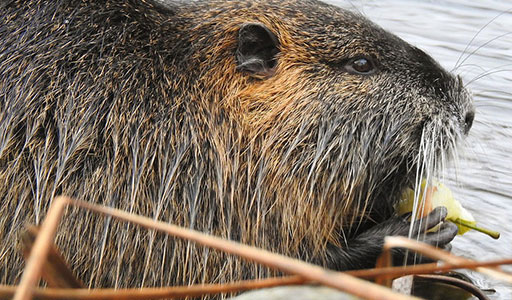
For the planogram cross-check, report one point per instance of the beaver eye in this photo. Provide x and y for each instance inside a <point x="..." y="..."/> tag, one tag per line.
<point x="360" y="65"/>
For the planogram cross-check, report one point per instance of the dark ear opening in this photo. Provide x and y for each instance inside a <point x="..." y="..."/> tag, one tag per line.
<point x="257" y="50"/>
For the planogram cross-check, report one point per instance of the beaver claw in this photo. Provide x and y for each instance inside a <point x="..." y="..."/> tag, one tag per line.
<point x="362" y="252"/>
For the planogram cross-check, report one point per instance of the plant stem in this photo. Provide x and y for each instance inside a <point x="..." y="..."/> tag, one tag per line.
<point x="494" y="234"/>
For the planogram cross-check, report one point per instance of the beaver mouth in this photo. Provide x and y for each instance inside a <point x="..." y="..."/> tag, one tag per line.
<point x="435" y="148"/>
<point x="437" y="141"/>
<point x="407" y="160"/>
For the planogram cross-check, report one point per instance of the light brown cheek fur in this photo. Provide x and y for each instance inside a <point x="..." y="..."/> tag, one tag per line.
<point x="269" y="102"/>
<point x="257" y="104"/>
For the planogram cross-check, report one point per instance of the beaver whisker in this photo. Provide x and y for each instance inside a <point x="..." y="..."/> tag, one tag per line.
<point x="480" y="47"/>
<point x="459" y="62"/>
<point x="488" y="73"/>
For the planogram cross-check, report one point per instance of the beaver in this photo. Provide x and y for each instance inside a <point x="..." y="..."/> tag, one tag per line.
<point x="288" y="125"/>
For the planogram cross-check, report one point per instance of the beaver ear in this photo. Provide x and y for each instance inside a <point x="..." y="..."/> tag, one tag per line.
<point x="257" y="50"/>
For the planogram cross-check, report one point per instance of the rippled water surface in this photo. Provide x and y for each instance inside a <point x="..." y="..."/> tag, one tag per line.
<point x="476" y="36"/>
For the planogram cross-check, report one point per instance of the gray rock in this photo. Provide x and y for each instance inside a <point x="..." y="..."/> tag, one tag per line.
<point x="305" y="292"/>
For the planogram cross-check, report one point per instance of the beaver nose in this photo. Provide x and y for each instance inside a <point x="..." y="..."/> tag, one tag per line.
<point x="468" y="121"/>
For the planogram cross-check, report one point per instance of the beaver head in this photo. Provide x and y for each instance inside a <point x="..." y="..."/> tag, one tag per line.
<point x="343" y="114"/>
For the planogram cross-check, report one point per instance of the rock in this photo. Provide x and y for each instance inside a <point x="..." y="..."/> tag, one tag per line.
<point x="305" y="292"/>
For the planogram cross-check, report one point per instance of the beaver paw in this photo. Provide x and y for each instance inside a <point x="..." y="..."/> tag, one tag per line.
<point x="399" y="226"/>
<point x="422" y="230"/>
<point x="362" y="252"/>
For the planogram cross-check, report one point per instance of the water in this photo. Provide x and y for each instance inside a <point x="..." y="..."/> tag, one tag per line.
<point x="482" y="177"/>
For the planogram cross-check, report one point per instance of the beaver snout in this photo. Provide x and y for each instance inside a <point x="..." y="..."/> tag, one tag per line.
<point x="468" y="121"/>
<point x="468" y="111"/>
